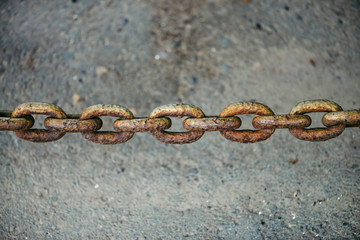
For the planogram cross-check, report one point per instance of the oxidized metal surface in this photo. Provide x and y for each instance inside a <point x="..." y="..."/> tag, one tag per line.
<point x="177" y="110"/>
<point x="38" y="108"/>
<point x="211" y="123"/>
<point x="73" y="124"/>
<point x="142" y="124"/>
<point x="39" y="135"/>
<point x="316" y="134"/>
<point x="88" y="123"/>
<point x="351" y="118"/>
<point x="106" y="137"/>
<point x="10" y="124"/>
<point x="281" y="121"/>
<point x="246" y="136"/>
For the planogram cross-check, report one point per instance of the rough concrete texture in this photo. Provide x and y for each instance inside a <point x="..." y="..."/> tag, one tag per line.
<point x="143" y="54"/>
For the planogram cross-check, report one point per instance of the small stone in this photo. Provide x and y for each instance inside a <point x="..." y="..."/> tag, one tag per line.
<point x="194" y="80"/>
<point x="258" y="26"/>
<point x="76" y="98"/>
<point x="312" y="62"/>
<point x="257" y="65"/>
<point x="225" y="41"/>
<point x="101" y="70"/>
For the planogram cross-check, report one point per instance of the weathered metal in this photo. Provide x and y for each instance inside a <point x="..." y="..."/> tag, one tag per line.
<point x="211" y="123"/>
<point x="316" y="134"/>
<point x="246" y="136"/>
<point x="281" y="121"/>
<point x="72" y="123"/>
<point x="142" y="124"/>
<point x="177" y="110"/>
<point x="350" y="118"/>
<point x="39" y="135"/>
<point x="7" y="123"/>
<point x="107" y="137"/>
<point x="88" y="123"/>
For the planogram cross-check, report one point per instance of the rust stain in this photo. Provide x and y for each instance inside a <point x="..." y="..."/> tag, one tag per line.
<point x="177" y="137"/>
<point x="244" y="2"/>
<point x="10" y="124"/>
<point x="351" y="118"/>
<point x="142" y="124"/>
<point x="177" y="110"/>
<point x="38" y="108"/>
<point x="281" y="121"/>
<point x="211" y="123"/>
<point x="246" y="136"/>
<point x="73" y="124"/>
<point x="312" y="62"/>
<point x="294" y="161"/>
<point x="107" y="138"/>
<point x="39" y="135"/>
<point x="107" y="110"/>
<point x="316" y="134"/>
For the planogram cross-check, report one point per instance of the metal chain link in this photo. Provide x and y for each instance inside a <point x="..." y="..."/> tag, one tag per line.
<point x="88" y="123"/>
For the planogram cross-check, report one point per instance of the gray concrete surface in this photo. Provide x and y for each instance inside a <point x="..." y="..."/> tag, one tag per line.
<point x="143" y="54"/>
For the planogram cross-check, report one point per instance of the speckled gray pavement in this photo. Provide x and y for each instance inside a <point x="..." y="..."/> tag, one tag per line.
<point x="143" y="54"/>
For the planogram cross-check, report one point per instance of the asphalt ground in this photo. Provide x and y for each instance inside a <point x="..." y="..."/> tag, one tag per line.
<point x="144" y="54"/>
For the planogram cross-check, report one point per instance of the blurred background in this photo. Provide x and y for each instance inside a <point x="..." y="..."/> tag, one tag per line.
<point x="143" y="54"/>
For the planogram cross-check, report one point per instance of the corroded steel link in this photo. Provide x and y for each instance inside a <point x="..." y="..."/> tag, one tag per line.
<point x="11" y="124"/>
<point x="351" y="118"/>
<point x="316" y="134"/>
<point x="39" y="135"/>
<point x="211" y="123"/>
<point x="281" y="121"/>
<point x="246" y="136"/>
<point x="177" y="110"/>
<point x="88" y="123"/>
<point x="107" y="137"/>
<point x="72" y="123"/>
<point x="142" y="124"/>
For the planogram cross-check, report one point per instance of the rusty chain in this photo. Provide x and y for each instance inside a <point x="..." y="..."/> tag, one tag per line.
<point x="88" y="123"/>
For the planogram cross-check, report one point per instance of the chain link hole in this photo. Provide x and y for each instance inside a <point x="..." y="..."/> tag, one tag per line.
<point x="246" y="121"/>
<point x="39" y="121"/>
<point x="316" y="119"/>
<point x="107" y="123"/>
<point x="177" y="124"/>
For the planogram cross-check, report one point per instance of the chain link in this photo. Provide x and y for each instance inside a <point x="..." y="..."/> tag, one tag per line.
<point x="317" y="134"/>
<point x="107" y="137"/>
<point x="39" y="135"/>
<point x="247" y="136"/>
<point x="88" y="123"/>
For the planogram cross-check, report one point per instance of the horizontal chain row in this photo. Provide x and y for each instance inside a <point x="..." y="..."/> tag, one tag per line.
<point x="88" y="122"/>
